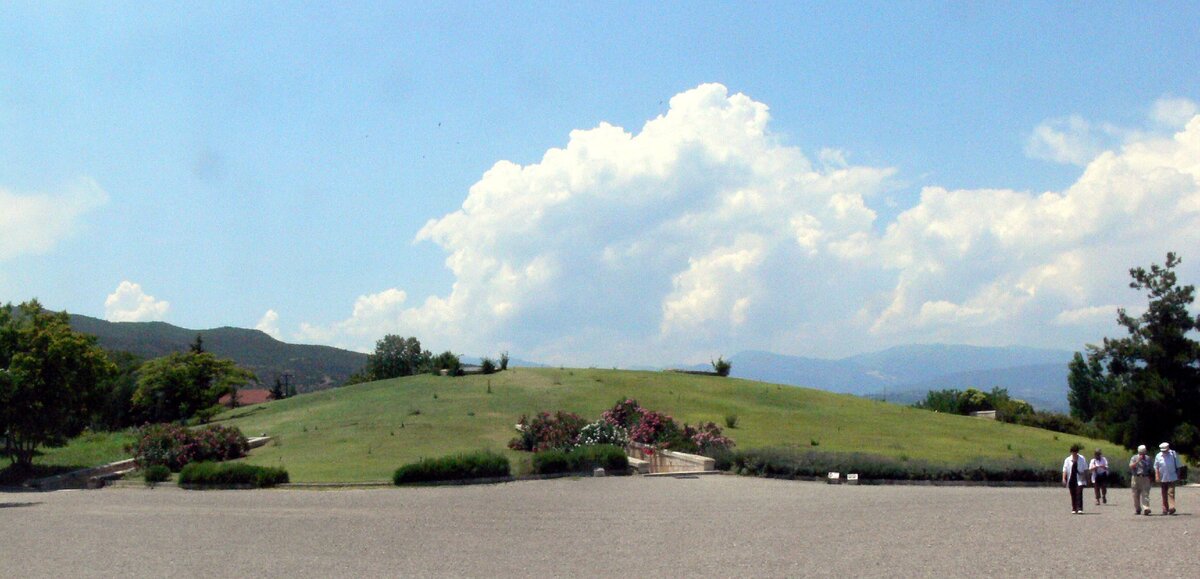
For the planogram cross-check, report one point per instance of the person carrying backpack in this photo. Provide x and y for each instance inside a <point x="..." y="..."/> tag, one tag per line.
<point x="1166" y="473"/>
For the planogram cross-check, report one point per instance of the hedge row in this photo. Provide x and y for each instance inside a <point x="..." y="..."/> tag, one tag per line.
<point x="480" y="464"/>
<point x="798" y="463"/>
<point x="218" y="474"/>
<point x="581" y="459"/>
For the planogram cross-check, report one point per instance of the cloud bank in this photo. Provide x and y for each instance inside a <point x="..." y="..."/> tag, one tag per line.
<point x="32" y="224"/>
<point x="130" y="304"/>
<point x="704" y="233"/>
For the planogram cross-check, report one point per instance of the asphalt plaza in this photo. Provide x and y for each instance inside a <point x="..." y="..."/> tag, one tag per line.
<point x="711" y="525"/>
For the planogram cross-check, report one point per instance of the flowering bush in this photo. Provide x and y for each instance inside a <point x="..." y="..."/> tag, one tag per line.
<point x="654" y="428"/>
<point x="602" y="432"/>
<point x="624" y="413"/>
<point x="707" y="437"/>
<point x="546" y="431"/>
<point x="627" y="421"/>
<point x="175" y="446"/>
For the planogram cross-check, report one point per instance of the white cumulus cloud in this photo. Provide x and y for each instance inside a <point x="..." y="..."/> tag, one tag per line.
<point x="704" y="233"/>
<point x="130" y="304"/>
<point x="1071" y="140"/>
<point x="1173" y="112"/>
<point x="269" y="324"/>
<point x="34" y="223"/>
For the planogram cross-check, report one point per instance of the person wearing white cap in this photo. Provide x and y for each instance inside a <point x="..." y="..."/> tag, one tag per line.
<point x="1166" y="472"/>
<point x="1140" y="471"/>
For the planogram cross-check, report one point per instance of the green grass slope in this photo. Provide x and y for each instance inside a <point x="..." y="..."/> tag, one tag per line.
<point x="364" y="432"/>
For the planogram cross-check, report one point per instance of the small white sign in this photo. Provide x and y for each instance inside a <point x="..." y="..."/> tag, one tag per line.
<point x="835" y="478"/>
<point x="852" y="478"/>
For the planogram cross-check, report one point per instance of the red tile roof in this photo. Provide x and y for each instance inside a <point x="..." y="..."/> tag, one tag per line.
<point x="248" y="397"/>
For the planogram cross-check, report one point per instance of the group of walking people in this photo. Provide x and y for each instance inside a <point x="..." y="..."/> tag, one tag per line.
<point x="1165" y="470"/>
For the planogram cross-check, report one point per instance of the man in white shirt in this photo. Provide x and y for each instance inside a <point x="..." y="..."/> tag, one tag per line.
<point x="1166" y="472"/>
<point x="1099" y="469"/>
<point x="1075" y="469"/>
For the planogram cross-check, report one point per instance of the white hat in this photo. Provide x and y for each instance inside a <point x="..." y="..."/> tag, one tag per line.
<point x="1164" y="446"/>
<point x="1141" y="448"/>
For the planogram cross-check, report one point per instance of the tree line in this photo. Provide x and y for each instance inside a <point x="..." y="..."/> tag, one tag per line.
<point x="397" y="356"/>
<point x="56" y="382"/>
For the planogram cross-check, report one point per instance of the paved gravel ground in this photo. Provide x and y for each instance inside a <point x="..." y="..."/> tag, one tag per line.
<point x="710" y="525"/>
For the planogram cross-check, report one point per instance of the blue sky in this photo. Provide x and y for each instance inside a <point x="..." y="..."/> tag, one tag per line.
<point x="969" y="173"/>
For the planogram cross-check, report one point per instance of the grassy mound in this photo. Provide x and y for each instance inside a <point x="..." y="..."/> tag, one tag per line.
<point x="362" y="432"/>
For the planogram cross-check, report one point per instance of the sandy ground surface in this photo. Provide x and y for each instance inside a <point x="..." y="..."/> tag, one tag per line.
<point x="633" y="526"/>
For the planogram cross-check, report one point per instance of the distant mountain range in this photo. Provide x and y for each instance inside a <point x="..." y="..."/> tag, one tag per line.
<point x="311" y="367"/>
<point x="905" y="373"/>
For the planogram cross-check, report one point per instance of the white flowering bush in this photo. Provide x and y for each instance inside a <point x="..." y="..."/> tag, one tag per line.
<point x="603" y="432"/>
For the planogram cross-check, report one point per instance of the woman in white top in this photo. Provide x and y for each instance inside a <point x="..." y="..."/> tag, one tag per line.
<point x="1099" y="469"/>
<point x="1075" y="478"/>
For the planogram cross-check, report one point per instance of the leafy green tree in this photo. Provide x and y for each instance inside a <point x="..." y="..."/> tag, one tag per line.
<point x="51" y="379"/>
<point x="941" y="401"/>
<point x="277" y="390"/>
<point x="1145" y="388"/>
<point x="1008" y="409"/>
<point x="116" y="409"/>
<point x="180" y="385"/>
<point x="721" y="366"/>
<point x="447" y="361"/>
<point x="396" y="356"/>
<point x="1088" y="385"/>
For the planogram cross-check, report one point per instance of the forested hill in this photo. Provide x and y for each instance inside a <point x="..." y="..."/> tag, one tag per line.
<point x="311" y="367"/>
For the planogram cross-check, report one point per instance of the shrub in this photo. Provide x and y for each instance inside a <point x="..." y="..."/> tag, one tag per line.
<point x="205" y="415"/>
<point x="156" y="473"/>
<point x="447" y="361"/>
<point x="581" y="459"/>
<point x="658" y="429"/>
<point x="546" y="431"/>
<point x="488" y="366"/>
<point x="731" y="421"/>
<point x="707" y="438"/>
<point x="480" y="464"/>
<point x="503" y="360"/>
<point x="217" y="474"/>
<point x="1058" y="423"/>
<point x="551" y="461"/>
<point x="625" y="413"/>
<point x="722" y="366"/>
<point x="601" y="432"/>
<point x="794" y="462"/>
<point x="175" y="446"/>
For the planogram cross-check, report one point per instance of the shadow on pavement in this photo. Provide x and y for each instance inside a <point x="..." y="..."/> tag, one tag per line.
<point x="16" y="505"/>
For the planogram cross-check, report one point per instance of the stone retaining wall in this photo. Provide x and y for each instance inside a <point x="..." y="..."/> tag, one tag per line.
<point x="665" y="461"/>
